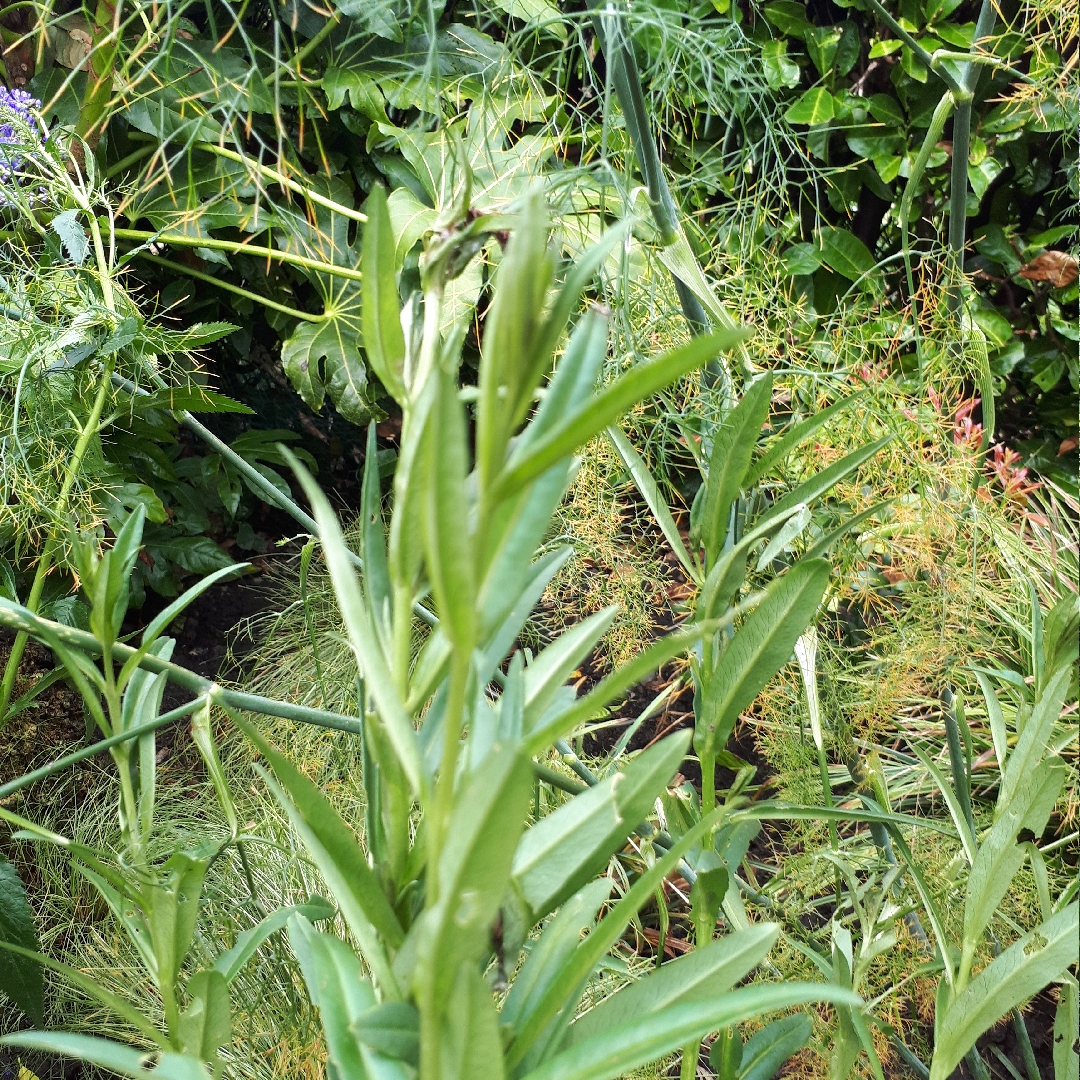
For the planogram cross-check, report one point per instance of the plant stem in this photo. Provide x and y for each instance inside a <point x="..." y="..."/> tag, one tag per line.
<point x="283" y="180"/>
<point x="229" y="287"/>
<point x="235" y="247"/>
<point x="444" y="787"/>
<point x="17" y="617"/>
<point x="66" y="762"/>
<point x="611" y="33"/>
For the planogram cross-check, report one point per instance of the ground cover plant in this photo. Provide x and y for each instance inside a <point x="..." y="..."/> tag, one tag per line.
<point x="686" y="684"/>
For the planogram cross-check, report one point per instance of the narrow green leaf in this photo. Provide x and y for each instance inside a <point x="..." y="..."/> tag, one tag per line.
<point x="729" y="461"/>
<point x="110" y="1055"/>
<point x="247" y="943"/>
<point x="584" y="423"/>
<point x="760" y="648"/>
<point x="766" y="1050"/>
<point x="795" y="435"/>
<point x="202" y="735"/>
<point x="512" y="335"/>
<point x="338" y="990"/>
<point x="449" y="546"/>
<point x="562" y="995"/>
<point x="362" y="634"/>
<point x="206" y="1024"/>
<point x="474" y="870"/>
<point x="645" y="1040"/>
<point x="823" y="546"/>
<point x="1067" y="1032"/>
<point x="470" y="1045"/>
<point x="377" y="587"/>
<point x="384" y="340"/>
<point x="650" y="492"/>
<point x="610" y="688"/>
<point x="349" y="863"/>
<point x="549" y="955"/>
<point x="999" y="856"/>
<point x="817" y="485"/>
<point x="552" y="667"/>
<point x="706" y="972"/>
<point x="1031" y="746"/>
<point x="1038" y="958"/>
<point x="563" y="850"/>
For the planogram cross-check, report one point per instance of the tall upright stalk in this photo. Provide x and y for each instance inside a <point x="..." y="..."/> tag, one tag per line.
<point x="611" y="32"/>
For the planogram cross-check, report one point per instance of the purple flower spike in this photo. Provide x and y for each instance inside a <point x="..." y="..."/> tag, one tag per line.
<point x="17" y="112"/>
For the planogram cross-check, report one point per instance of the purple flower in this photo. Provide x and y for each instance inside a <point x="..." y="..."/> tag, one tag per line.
<point x="18" y="118"/>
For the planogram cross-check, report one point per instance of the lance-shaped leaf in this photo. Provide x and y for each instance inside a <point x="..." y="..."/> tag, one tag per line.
<point x="761" y="647"/>
<point x="563" y="850"/>
<point x="117" y="1058"/>
<point x="384" y="340"/>
<point x="1038" y="958"/>
<point x="337" y="989"/>
<point x="512" y="335"/>
<point x="449" y="548"/>
<point x="640" y="1041"/>
<point x="586" y="421"/>
<point x="729" y="461"/>
<point x="474" y="869"/>
<point x="362" y="634"/>
<point x="354" y="883"/>
<point x="703" y="973"/>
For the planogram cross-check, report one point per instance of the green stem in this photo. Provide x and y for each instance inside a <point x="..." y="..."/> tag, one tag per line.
<point x="17" y="617"/>
<point x="917" y="50"/>
<point x="933" y="137"/>
<point x="229" y="287"/>
<point x="708" y="783"/>
<point x="302" y="54"/>
<point x="62" y="764"/>
<point x="612" y="36"/>
<point x="444" y="787"/>
<point x="237" y="248"/>
<point x="283" y="180"/>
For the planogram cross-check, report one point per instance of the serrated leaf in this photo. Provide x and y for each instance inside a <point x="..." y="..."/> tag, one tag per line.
<point x="71" y="235"/>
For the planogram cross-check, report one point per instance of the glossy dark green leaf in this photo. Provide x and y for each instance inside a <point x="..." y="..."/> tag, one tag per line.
<point x="816" y="106"/>
<point x="845" y="253"/>
<point x="20" y="977"/>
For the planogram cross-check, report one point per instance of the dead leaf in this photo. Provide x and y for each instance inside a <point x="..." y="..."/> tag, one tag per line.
<point x="1067" y="444"/>
<point x="1057" y="267"/>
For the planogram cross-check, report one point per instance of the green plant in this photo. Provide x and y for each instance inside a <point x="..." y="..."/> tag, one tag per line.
<point x="423" y="914"/>
<point x="968" y="1003"/>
